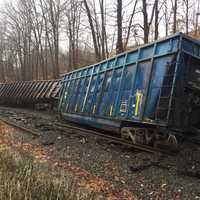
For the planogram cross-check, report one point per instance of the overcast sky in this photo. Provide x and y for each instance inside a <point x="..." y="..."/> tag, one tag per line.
<point x="111" y="20"/>
<point x="1" y="1"/>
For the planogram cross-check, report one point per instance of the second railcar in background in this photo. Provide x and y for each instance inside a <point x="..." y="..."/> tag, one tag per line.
<point x="149" y="92"/>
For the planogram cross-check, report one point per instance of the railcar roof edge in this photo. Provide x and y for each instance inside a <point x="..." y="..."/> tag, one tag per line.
<point x="30" y="81"/>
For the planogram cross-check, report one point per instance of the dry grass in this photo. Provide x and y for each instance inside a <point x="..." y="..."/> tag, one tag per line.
<point x="21" y="178"/>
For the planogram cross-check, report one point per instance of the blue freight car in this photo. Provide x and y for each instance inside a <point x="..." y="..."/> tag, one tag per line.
<point x="151" y="91"/>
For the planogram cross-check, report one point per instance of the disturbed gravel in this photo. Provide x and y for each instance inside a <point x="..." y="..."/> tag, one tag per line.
<point x="147" y="176"/>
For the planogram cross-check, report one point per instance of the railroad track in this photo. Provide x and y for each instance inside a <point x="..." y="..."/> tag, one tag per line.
<point x="85" y="132"/>
<point x="23" y="128"/>
<point x="71" y="129"/>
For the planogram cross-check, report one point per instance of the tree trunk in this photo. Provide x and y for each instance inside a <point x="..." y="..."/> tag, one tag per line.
<point x="156" y="20"/>
<point x="187" y="16"/>
<point x="145" y="22"/>
<point x="174" y="16"/>
<point x="92" y="30"/>
<point x="103" y="30"/>
<point x="119" y="45"/>
<point x="166" y="19"/>
<point x="130" y="24"/>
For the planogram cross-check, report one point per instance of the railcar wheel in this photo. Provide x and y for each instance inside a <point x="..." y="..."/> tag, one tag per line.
<point x="167" y="141"/>
<point x="172" y="139"/>
<point x="137" y="135"/>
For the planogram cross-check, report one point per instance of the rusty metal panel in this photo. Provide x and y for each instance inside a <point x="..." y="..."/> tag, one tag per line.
<point x="56" y="90"/>
<point x="22" y="93"/>
<point x="4" y="89"/>
<point x="51" y="90"/>
<point x="38" y="89"/>
<point x="47" y="90"/>
<point x="33" y="91"/>
<point x="15" y="88"/>
<point x="29" y="86"/>
<point x="43" y="89"/>
<point x="8" y="88"/>
<point x="3" y="86"/>
<point x="20" y="90"/>
<point x="18" y="87"/>
<point x="12" y="87"/>
<point x="28" y="94"/>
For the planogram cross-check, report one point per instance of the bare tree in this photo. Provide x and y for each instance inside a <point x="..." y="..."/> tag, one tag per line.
<point x="51" y="12"/>
<point x="73" y="14"/>
<point x="147" y="19"/>
<point x="187" y="5"/>
<point x="2" y="51"/>
<point x="20" y="23"/>
<point x="130" y="24"/>
<point x="38" y="29"/>
<point x="156" y="20"/>
<point x="32" y="32"/>
<point x="119" y="45"/>
<point x="97" y="53"/>
<point x="166" y="18"/>
<point x="174" y="7"/>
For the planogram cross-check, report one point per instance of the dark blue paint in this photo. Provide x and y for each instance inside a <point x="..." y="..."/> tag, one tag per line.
<point x="151" y="72"/>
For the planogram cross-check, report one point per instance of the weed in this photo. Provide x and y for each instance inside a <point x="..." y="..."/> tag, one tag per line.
<point x="23" y="179"/>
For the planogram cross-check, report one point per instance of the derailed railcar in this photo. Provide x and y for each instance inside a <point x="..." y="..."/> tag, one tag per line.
<point x="149" y="92"/>
<point x="30" y="93"/>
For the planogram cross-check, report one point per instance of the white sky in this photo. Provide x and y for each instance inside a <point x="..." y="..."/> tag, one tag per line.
<point x="3" y="1"/>
<point x="111" y="21"/>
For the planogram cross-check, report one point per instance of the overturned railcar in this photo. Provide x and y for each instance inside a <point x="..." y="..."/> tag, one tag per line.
<point x="29" y="93"/>
<point x="149" y="91"/>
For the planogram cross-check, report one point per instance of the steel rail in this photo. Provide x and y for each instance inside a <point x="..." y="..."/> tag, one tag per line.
<point x="86" y="132"/>
<point x="33" y="132"/>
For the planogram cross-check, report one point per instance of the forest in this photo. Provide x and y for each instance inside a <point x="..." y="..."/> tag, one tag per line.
<point x="43" y="39"/>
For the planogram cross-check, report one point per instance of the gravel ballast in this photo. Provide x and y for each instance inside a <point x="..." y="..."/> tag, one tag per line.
<point x="145" y="175"/>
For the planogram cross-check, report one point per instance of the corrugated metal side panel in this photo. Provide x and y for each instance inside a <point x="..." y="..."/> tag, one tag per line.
<point x="122" y="87"/>
<point x="29" y="92"/>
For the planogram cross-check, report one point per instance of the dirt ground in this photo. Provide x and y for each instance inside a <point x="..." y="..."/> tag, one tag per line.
<point x="112" y="170"/>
